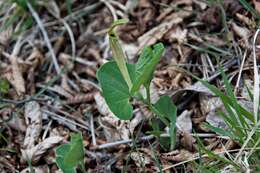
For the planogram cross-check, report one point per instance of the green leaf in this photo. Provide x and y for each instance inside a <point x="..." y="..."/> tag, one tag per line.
<point x="157" y="130"/>
<point x="69" y="156"/>
<point x="145" y="66"/>
<point x="249" y="8"/>
<point x="60" y="153"/>
<point x="4" y="86"/>
<point x="115" y="89"/>
<point x="116" y="23"/>
<point x="76" y="153"/>
<point x="69" y="6"/>
<point x="117" y="51"/>
<point x="211" y="154"/>
<point x="220" y="131"/>
<point x="165" y="108"/>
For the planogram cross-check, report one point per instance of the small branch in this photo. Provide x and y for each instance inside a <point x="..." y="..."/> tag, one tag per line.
<point x="94" y="142"/>
<point x="149" y="137"/>
<point x="148" y="95"/>
<point x="45" y="36"/>
<point x="113" y="144"/>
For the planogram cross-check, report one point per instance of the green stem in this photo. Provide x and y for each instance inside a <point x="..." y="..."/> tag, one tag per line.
<point x="82" y="167"/>
<point x="148" y="95"/>
<point x="150" y="106"/>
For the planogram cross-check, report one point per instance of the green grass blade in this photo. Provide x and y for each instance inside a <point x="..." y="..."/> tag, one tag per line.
<point x="249" y="8"/>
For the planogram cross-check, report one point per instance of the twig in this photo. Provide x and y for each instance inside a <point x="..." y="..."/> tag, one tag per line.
<point x="79" y="60"/>
<point x="72" y="38"/>
<point x="45" y="36"/>
<point x="149" y="137"/>
<point x="113" y="144"/>
<point x="111" y="8"/>
<point x="94" y="142"/>
<point x="46" y="130"/>
<point x="64" y="119"/>
<point x="240" y="71"/>
<point x="86" y="10"/>
<point x="256" y="80"/>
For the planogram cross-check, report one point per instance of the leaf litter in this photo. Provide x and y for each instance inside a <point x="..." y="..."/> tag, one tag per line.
<point x="42" y="108"/>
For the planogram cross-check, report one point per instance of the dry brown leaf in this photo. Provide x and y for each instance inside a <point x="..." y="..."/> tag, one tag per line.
<point x="53" y="8"/>
<point x="178" y="155"/>
<point x="242" y="32"/>
<point x="201" y="4"/>
<point x="33" y="119"/>
<point x="58" y="89"/>
<point x="183" y="121"/>
<point x="215" y="40"/>
<point x="140" y="159"/>
<point x="101" y="105"/>
<point x="81" y="98"/>
<point x="245" y="20"/>
<point x="65" y="84"/>
<point x="177" y="34"/>
<point x="35" y="153"/>
<point x="196" y="87"/>
<point x="187" y="141"/>
<point x="17" y="123"/>
<point x="38" y="169"/>
<point x="5" y="36"/>
<point x="135" y="121"/>
<point x="257" y="5"/>
<point x="210" y="105"/>
<point x="17" y="77"/>
<point x="114" y="128"/>
<point x="155" y="34"/>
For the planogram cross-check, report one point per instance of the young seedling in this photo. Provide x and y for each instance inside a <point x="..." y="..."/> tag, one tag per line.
<point x="70" y="156"/>
<point x="120" y="82"/>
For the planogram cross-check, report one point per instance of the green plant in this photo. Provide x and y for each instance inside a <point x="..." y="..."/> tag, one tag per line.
<point x="20" y="15"/>
<point x="120" y="82"/>
<point x="243" y="125"/>
<point x="70" y="156"/>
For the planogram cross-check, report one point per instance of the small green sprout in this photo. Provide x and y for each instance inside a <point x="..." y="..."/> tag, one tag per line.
<point x="120" y="82"/>
<point x="70" y="156"/>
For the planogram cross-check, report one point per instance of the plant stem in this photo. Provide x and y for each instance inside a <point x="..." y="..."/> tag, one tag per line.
<point x="82" y="167"/>
<point x="148" y="95"/>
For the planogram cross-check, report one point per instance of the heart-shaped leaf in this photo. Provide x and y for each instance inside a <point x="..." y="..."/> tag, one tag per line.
<point x="164" y="108"/>
<point x="115" y="89"/>
<point x="145" y="66"/>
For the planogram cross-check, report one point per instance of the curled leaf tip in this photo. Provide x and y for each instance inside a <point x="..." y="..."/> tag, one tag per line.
<point x="116" y="23"/>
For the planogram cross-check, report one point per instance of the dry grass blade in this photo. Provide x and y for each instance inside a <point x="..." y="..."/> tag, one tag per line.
<point x="256" y="80"/>
<point x="45" y="35"/>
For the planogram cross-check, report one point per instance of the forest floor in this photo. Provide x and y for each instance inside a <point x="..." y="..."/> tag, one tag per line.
<point x="51" y="50"/>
